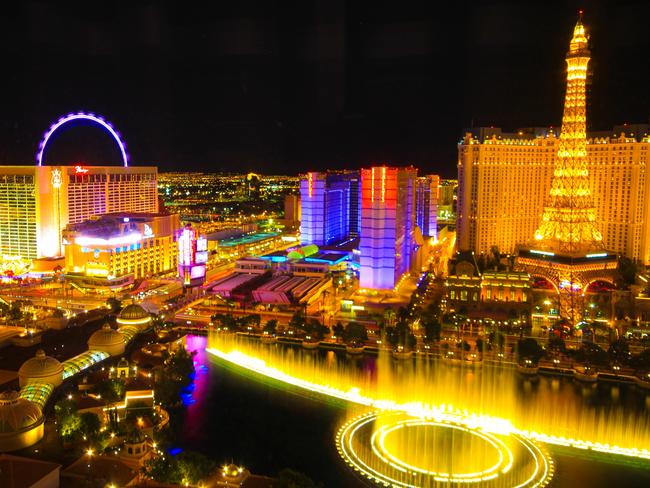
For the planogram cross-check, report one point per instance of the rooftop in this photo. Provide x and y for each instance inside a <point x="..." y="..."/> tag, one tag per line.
<point x="21" y="472"/>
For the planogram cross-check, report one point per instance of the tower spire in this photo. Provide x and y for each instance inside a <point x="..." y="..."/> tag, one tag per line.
<point x="569" y="218"/>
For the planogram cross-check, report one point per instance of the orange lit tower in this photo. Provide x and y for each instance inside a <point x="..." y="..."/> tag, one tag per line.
<point x="568" y="249"/>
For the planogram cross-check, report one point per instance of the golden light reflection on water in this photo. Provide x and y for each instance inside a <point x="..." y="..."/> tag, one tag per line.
<point x="555" y="411"/>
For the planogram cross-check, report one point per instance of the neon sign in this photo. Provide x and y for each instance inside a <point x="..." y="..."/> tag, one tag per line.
<point x="82" y="116"/>
<point x="113" y="241"/>
<point x="310" y="183"/>
<point x="80" y="170"/>
<point x="56" y="178"/>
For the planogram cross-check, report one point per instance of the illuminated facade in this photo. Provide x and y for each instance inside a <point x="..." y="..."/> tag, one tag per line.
<point x="37" y="202"/>
<point x="447" y="201"/>
<point x="329" y="207"/>
<point x="387" y="225"/>
<point x="498" y="175"/>
<point x="426" y="204"/>
<point x="568" y="249"/>
<point x="192" y="256"/>
<point x="116" y="249"/>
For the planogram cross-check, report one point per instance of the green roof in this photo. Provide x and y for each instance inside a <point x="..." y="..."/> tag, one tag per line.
<point x="37" y="393"/>
<point x="82" y="362"/>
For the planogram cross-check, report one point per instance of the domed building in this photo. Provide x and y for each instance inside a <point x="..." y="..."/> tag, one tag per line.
<point x="41" y="369"/>
<point x="21" y="422"/>
<point x="134" y="315"/>
<point x="107" y="340"/>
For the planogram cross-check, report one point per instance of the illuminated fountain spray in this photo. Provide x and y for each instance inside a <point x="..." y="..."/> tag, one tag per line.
<point x="403" y="415"/>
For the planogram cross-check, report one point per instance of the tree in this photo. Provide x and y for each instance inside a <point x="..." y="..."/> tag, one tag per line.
<point x="355" y="332"/>
<point x="112" y="391"/>
<point x="432" y="330"/>
<point x="627" y="271"/>
<point x="162" y="469"/>
<point x="619" y="351"/>
<point x="338" y="330"/>
<point x="298" y="320"/>
<point x="271" y="326"/>
<point x="529" y="349"/>
<point x="180" y="366"/>
<point x="15" y="313"/>
<point x="194" y="466"/>
<point x="288" y="478"/>
<point x="89" y="425"/>
<point x="557" y="344"/>
<point x="113" y="304"/>
<point x="58" y="313"/>
<point x="315" y="329"/>
<point x="167" y="391"/>
<point x="67" y="418"/>
<point x="226" y="321"/>
<point x="401" y="335"/>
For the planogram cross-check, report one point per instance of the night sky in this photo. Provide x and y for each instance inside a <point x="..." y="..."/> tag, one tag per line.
<point x="289" y="86"/>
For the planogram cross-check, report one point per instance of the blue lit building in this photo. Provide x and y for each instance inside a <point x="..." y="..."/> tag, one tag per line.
<point x="329" y="207"/>
<point x="426" y="205"/>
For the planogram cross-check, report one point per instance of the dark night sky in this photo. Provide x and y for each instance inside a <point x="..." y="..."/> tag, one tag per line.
<point x="287" y="86"/>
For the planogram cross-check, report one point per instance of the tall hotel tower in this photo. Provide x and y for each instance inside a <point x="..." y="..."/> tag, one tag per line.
<point x="387" y="225"/>
<point x="568" y="247"/>
<point x="37" y="202"/>
<point x="329" y="207"/>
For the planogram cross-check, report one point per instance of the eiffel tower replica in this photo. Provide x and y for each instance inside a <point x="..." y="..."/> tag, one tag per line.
<point x="568" y="248"/>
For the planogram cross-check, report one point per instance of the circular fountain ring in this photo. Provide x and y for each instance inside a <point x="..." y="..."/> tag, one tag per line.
<point x="510" y="460"/>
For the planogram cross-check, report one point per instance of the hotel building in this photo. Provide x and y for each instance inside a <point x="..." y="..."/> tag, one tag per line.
<point x="329" y="207"/>
<point x="113" y="250"/>
<point x="38" y="202"/>
<point x="387" y="225"/>
<point x="426" y="204"/>
<point x="504" y="180"/>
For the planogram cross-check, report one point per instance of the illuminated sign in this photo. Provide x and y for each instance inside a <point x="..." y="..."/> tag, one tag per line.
<point x="186" y="247"/>
<point x="113" y="241"/>
<point x="201" y="257"/>
<point x="201" y="244"/>
<point x="197" y="272"/>
<point x="597" y="255"/>
<point x="80" y="170"/>
<point x="147" y="231"/>
<point x="310" y="183"/>
<point x="56" y="178"/>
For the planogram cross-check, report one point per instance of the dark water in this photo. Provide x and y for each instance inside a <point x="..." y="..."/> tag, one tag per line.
<point x="234" y="417"/>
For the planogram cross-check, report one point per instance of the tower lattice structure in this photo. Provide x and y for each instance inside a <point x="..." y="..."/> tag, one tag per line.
<point x="569" y="218"/>
<point x="568" y="248"/>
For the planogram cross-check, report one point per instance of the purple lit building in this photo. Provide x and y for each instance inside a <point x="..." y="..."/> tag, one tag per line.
<point x="387" y="225"/>
<point x="329" y="207"/>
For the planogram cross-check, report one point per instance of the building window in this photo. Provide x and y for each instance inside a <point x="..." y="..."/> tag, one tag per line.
<point x="452" y="295"/>
<point x="463" y="295"/>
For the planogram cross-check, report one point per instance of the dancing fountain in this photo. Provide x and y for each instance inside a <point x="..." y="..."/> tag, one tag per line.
<point x="431" y="423"/>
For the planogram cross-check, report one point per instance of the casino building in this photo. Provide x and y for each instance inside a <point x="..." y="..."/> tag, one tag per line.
<point x="38" y="202"/>
<point x="113" y="250"/>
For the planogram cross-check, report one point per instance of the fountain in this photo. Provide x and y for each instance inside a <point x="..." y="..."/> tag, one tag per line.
<point x="430" y="423"/>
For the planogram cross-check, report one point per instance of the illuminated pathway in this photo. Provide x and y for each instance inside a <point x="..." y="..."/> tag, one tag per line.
<point x="443" y="413"/>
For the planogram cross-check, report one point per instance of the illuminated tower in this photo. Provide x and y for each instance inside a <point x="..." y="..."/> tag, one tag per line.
<point x="568" y="249"/>
<point x="569" y="219"/>
<point x="387" y="243"/>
